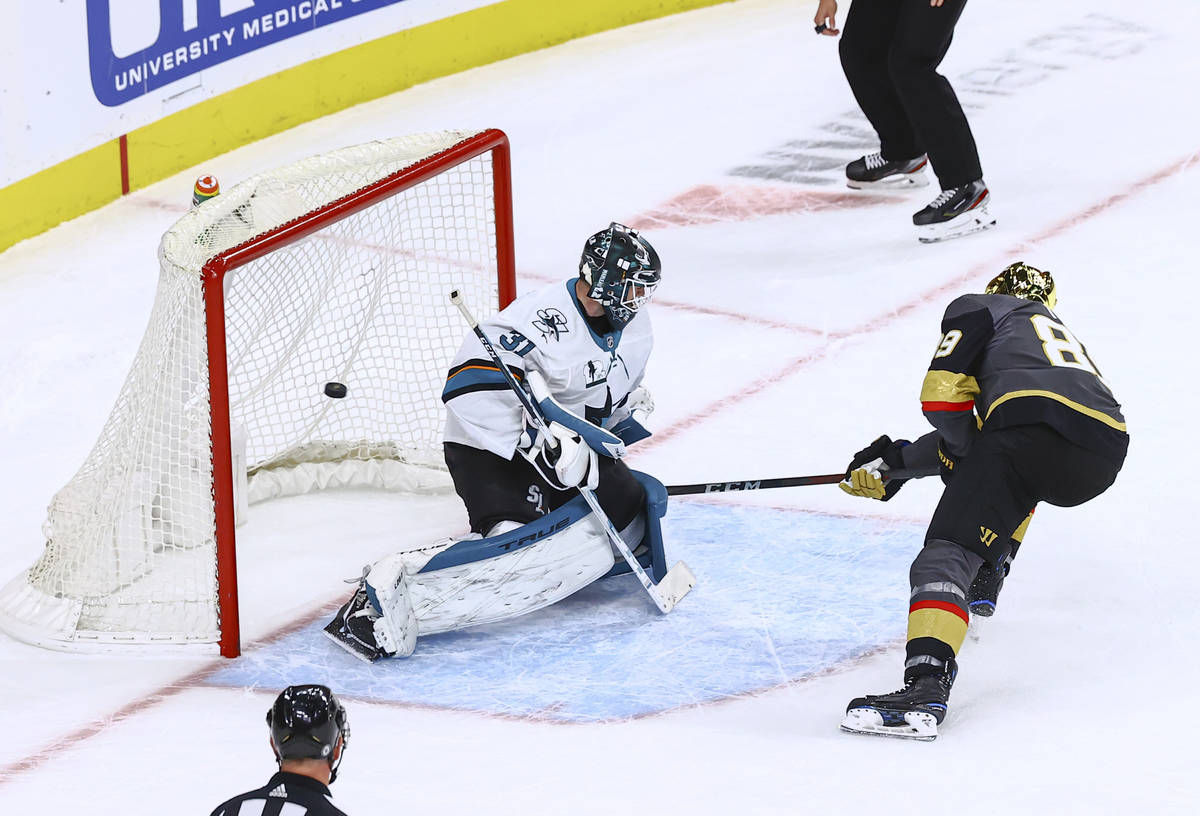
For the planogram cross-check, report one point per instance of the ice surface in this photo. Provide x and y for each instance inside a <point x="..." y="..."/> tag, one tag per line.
<point x="774" y="606"/>
<point x="793" y="326"/>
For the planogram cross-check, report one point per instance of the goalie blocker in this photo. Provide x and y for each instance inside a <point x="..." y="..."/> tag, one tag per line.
<point x="454" y="584"/>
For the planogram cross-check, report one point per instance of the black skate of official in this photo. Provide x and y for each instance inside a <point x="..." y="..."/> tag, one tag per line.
<point x="913" y="712"/>
<point x="954" y="213"/>
<point x="873" y="170"/>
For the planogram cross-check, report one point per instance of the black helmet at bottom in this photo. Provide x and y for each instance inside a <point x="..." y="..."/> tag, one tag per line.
<point x="306" y="722"/>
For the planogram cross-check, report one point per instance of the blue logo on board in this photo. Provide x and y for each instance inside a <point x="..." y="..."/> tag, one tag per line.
<point x="195" y="34"/>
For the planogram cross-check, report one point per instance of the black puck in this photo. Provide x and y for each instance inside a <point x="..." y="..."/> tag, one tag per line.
<point x="335" y="389"/>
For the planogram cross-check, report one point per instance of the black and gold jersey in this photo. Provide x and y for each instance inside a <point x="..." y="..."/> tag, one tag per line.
<point x="1006" y="361"/>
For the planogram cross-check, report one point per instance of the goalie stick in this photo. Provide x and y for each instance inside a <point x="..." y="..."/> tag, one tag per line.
<point x="679" y="580"/>
<point x="791" y="481"/>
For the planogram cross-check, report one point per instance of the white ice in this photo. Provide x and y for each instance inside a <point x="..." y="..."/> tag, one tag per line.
<point x="793" y="327"/>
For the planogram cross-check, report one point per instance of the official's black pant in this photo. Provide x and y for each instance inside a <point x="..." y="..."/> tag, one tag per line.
<point x="495" y="489"/>
<point x="890" y="52"/>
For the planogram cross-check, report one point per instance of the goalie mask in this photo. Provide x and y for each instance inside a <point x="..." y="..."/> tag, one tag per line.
<point x="621" y="270"/>
<point x="307" y="722"/>
<point x="1024" y="281"/>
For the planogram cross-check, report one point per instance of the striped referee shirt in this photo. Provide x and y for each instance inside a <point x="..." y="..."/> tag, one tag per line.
<point x="286" y="794"/>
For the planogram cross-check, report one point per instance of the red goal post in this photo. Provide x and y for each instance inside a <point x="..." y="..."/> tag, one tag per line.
<point x="333" y="269"/>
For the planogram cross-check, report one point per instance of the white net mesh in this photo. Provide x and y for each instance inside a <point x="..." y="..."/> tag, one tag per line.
<point x="130" y="541"/>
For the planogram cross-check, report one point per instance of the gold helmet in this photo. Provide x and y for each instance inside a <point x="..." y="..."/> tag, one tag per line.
<point x="1024" y="281"/>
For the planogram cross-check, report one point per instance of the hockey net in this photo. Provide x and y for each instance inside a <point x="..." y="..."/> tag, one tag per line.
<point x="332" y="270"/>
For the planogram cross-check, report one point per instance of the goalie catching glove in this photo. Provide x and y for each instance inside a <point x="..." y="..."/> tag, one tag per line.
<point x="864" y="475"/>
<point x="561" y="456"/>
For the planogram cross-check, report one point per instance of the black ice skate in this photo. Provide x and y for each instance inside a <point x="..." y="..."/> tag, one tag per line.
<point x="353" y="627"/>
<point x="956" y="212"/>
<point x="913" y="712"/>
<point x="874" y="171"/>
<point x="985" y="589"/>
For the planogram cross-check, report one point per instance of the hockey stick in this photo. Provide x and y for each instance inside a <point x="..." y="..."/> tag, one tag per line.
<point x="679" y="580"/>
<point x="791" y="481"/>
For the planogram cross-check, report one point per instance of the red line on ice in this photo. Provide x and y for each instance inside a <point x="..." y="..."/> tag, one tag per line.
<point x="38" y="758"/>
<point x="798" y="364"/>
<point x="711" y="204"/>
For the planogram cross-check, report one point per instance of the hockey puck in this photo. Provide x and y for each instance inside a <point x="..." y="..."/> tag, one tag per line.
<point x="336" y="390"/>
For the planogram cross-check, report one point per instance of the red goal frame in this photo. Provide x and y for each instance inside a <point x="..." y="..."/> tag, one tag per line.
<point x="213" y="275"/>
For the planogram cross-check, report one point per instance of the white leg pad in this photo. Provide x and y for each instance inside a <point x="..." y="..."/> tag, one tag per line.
<point x="396" y="628"/>
<point x="485" y="591"/>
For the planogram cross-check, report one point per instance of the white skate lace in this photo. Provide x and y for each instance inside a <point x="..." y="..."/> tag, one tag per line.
<point x="362" y="579"/>
<point x="943" y="197"/>
<point x="874" y="161"/>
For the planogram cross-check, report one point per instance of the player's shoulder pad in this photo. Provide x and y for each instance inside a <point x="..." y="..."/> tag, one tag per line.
<point x="968" y="303"/>
<point x="974" y="312"/>
<point x="537" y="320"/>
<point x="997" y="305"/>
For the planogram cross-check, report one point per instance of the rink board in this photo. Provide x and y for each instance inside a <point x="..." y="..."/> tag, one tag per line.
<point x="781" y="594"/>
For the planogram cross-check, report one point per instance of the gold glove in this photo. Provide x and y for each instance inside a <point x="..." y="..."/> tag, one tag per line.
<point x="864" y="482"/>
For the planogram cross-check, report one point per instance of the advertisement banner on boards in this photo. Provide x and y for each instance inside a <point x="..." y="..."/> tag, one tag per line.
<point x="76" y="75"/>
<point x="192" y="36"/>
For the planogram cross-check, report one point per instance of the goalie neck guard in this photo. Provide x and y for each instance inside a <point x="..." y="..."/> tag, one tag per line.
<point x="621" y="270"/>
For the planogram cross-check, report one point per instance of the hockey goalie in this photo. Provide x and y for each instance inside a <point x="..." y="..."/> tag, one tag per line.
<point x="579" y="348"/>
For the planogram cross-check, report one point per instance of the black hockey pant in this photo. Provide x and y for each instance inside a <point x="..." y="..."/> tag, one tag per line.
<point x="1007" y="472"/>
<point x="495" y="489"/>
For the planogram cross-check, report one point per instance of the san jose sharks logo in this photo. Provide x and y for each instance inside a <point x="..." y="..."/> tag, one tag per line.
<point x="551" y="323"/>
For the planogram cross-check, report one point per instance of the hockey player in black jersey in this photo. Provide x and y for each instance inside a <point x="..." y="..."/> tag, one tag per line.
<point x="309" y="732"/>
<point x="1021" y="416"/>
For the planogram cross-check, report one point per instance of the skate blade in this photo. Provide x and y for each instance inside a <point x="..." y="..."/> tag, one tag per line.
<point x="904" y="181"/>
<point x="976" y="220"/>
<point x="981" y="609"/>
<point x="350" y="647"/>
<point x="918" y="725"/>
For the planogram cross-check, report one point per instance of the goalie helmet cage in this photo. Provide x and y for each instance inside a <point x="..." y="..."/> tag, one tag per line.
<point x="334" y="269"/>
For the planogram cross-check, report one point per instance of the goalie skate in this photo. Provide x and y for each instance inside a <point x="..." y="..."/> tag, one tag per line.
<point x="915" y="725"/>
<point x="377" y="621"/>
<point x="353" y="627"/>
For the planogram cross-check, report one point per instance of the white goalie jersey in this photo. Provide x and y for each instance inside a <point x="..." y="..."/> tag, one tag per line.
<point x="589" y="374"/>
